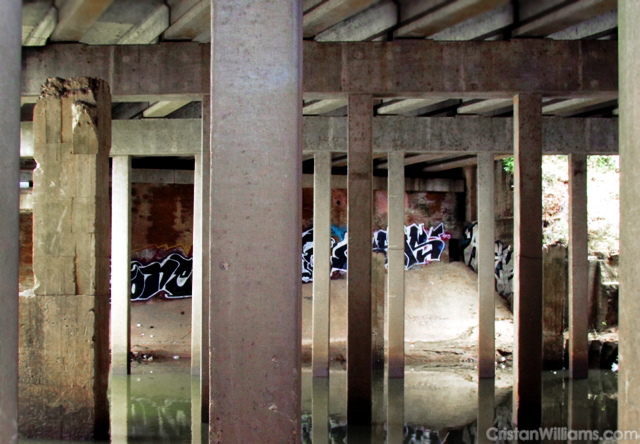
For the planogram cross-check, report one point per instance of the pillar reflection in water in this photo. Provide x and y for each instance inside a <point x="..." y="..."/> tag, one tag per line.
<point x="486" y="409"/>
<point x="119" y="392"/>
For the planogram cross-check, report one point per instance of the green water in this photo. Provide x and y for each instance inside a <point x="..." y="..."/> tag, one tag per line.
<point x="160" y="402"/>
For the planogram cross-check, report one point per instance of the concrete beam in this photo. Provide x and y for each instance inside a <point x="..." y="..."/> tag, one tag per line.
<point x="331" y="12"/>
<point x="192" y="24"/>
<point x="485" y="106"/>
<point x="76" y="17"/>
<point x="380" y="183"/>
<point x="432" y="136"/>
<point x="370" y="23"/>
<point x="447" y="16"/>
<point x="41" y="33"/>
<point x="572" y="107"/>
<point x="565" y="17"/>
<point x="553" y="68"/>
<point x="602" y="24"/>
<point x="581" y="68"/>
<point x="164" y="108"/>
<point x="33" y="12"/>
<point x="156" y="137"/>
<point x="323" y="106"/>
<point x="490" y="22"/>
<point x="149" y="29"/>
<point x="405" y="106"/>
<point x="450" y="164"/>
<point x="145" y="73"/>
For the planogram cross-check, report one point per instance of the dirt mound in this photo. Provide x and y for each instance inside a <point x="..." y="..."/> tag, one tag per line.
<point x="441" y="316"/>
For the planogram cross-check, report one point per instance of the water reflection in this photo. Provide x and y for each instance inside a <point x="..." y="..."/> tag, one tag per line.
<point x="431" y="405"/>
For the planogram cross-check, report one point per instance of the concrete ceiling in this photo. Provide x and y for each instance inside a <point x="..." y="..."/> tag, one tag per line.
<point x="141" y="22"/>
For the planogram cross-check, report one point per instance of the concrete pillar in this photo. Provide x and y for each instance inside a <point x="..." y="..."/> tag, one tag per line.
<point x="629" y="304"/>
<point x="527" y="302"/>
<point x="121" y="265"/>
<point x="200" y="276"/>
<point x="486" y="267"/>
<point x="359" y="218"/>
<point x="578" y="268"/>
<point x="65" y="326"/>
<point x="10" y="41"/>
<point x="554" y="295"/>
<point x="321" y="262"/>
<point x="255" y="233"/>
<point x="395" y="270"/>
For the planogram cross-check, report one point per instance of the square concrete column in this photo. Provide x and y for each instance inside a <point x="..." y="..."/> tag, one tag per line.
<point x="255" y="237"/>
<point x="64" y="356"/>
<point x="486" y="267"/>
<point x="200" y="279"/>
<point x="395" y="269"/>
<point x="10" y="41"/>
<point x="359" y="219"/>
<point x="629" y="304"/>
<point x="121" y="265"/>
<point x="578" y="267"/>
<point x="321" y="262"/>
<point x="527" y="299"/>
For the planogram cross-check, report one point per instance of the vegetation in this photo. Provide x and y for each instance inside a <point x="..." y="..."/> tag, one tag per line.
<point x="603" y="194"/>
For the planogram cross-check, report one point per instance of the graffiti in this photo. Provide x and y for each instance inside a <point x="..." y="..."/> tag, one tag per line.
<point x="162" y="275"/>
<point x="338" y="255"/>
<point x="503" y="260"/>
<point x="420" y="248"/>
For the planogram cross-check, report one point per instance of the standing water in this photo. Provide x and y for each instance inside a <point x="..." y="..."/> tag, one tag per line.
<point x="159" y="403"/>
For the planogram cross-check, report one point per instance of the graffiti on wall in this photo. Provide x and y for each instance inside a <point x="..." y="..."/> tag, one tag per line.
<point x="161" y="273"/>
<point x="421" y="246"/>
<point x="503" y="259"/>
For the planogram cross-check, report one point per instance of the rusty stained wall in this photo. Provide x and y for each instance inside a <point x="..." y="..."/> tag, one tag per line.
<point x="161" y="215"/>
<point x="26" y="251"/>
<point x="161" y="224"/>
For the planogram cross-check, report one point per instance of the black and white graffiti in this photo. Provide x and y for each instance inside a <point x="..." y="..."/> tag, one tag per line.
<point x="503" y="260"/>
<point x="421" y="246"/>
<point x="338" y="255"/>
<point x="169" y="277"/>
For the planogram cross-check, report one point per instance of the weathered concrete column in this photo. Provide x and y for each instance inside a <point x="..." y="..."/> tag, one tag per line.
<point x="395" y="270"/>
<point x="579" y="405"/>
<point x="321" y="262"/>
<point x="629" y="304"/>
<point x="10" y="41"/>
<point x="359" y="218"/>
<point x="64" y="361"/>
<point x="255" y="237"/>
<point x="578" y="268"/>
<point x="121" y="265"/>
<point x="486" y="267"/>
<point x="200" y="282"/>
<point x="527" y="361"/>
